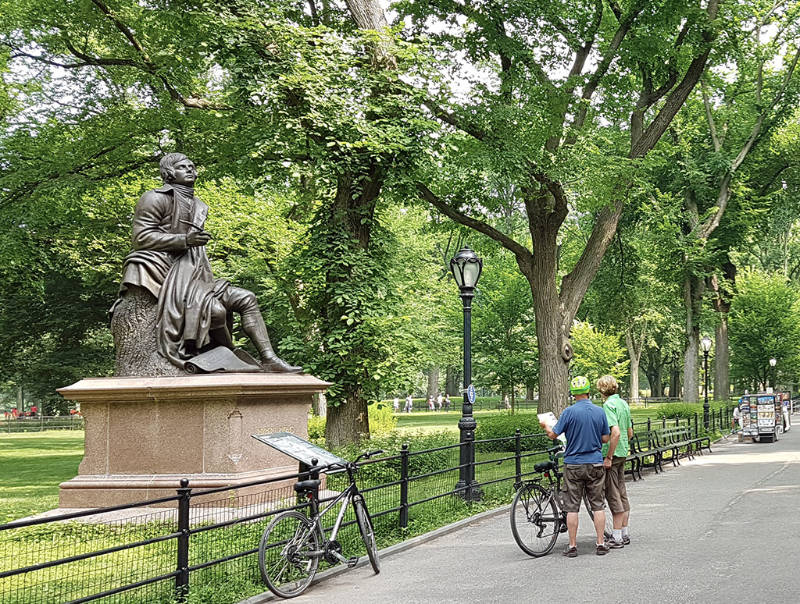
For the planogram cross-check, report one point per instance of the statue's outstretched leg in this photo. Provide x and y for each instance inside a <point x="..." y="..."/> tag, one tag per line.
<point x="255" y="328"/>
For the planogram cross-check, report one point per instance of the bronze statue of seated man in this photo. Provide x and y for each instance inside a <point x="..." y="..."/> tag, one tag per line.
<point x="194" y="314"/>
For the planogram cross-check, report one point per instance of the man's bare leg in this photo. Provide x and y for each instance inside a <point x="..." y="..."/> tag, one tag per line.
<point x="572" y="528"/>
<point x="599" y="526"/>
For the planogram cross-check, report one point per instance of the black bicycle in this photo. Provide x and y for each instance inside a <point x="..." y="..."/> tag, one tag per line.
<point x="293" y="544"/>
<point x="537" y="514"/>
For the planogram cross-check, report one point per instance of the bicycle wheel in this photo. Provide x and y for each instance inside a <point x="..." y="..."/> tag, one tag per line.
<point x="607" y="531"/>
<point x="535" y="520"/>
<point x="367" y="532"/>
<point x="285" y="556"/>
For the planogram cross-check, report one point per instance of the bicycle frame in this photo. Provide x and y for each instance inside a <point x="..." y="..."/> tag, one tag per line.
<point x="346" y="499"/>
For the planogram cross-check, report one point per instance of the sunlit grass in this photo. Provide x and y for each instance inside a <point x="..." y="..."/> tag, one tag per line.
<point x="32" y="465"/>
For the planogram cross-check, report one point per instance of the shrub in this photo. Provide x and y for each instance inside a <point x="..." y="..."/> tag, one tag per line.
<point x="682" y="410"/>
<point x="316" y="428"/>
<point x="391" y="444"/>
<point x="381" y="419"/>
<point x="504" y="426"/>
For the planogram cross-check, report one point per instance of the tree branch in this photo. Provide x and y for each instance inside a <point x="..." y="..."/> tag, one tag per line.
<point x="148" y="65"/>
<point x="575" y="284"/>
<point x="710" y="119"/>
<point x="450" y="118"/>
<point x="519" y="250"/>
<point x="676" y="99"/>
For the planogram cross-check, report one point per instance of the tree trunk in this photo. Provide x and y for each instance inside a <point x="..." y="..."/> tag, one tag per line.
<point x="658" y="389"/>
<point x="358" y="187"/>
<point x="722" y="304"/>
<point x="551" y="332"/>
<point x="634" y="381"/>
<point x="691" y="386"/>
<point x="674" y="382"/>
<point x="343" y="420"/>
<point x="530" y="393"/>
<point x="693" y="288"/>
<point x="452" y="386"/>
<point x="722" y="376"/>
<point x="433" y="382"/>
<point x="635" y="355"/>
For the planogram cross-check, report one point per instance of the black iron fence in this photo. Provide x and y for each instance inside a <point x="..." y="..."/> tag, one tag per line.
<point x="206" y="538"/>
<point x="37" y="423"/>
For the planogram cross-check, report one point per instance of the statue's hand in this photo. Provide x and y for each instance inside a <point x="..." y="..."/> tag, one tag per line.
<point x="197" y="238"/>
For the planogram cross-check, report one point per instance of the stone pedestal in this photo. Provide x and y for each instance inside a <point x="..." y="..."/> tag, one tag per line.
<point x="144" y="434"/>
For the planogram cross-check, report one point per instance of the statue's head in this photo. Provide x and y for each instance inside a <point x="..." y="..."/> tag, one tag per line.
<point x="177" y="168"/>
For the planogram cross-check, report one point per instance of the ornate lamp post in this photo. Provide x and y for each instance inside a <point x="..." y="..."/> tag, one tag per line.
<point x="705" y="344"/>
<point x="466" y="267"/>
<point x="772" y="362"/>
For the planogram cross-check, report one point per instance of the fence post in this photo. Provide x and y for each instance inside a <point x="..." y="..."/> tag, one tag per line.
<point x="649" y="427"/>
<point x="518" y="456"/>
<point x="404" y="486"/>
<point x="677" y="420"/>
<point x="696" y="433"/>
<point x="182" y="578"/>
<point x="664" y="423"/>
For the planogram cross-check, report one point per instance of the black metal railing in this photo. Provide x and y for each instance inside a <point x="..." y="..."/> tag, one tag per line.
<point x="37" y="423"/>
<point x="143" y="552"/>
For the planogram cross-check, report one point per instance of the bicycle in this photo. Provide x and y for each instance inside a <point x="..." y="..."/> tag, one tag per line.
<point x="537" y="513"/>
<point x="292" y="545"/>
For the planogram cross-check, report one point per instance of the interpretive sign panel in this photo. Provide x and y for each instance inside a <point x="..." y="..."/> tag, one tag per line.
<point x="302" y="450"/>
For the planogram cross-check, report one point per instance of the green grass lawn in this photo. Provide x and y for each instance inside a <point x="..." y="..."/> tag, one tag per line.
<point x="31" y="467"/>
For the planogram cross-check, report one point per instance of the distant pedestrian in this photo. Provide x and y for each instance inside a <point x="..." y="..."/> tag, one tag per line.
<point x="439" y="401"/>
<point x="396" y="405"/>
<point x="430" y="403"/>
<point x="736" y="420"/>
<point x="447" y="402"/>
<point x="615" y="453"/>
<point x="586" y="428"/>
<point x="409" y="403"/>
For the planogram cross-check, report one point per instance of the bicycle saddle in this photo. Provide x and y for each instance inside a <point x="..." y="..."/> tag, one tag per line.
<point x="544" y="466"/>
<point x="304" y="486"/>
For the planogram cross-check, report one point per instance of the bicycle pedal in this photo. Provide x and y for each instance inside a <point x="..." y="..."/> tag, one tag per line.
<point x="351" y="562"/>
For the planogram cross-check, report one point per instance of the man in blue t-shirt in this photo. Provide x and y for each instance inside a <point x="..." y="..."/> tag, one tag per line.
<point x="586" y="428"/>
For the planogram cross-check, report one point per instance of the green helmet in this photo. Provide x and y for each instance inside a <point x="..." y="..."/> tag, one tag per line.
<point x="579" y="385"/>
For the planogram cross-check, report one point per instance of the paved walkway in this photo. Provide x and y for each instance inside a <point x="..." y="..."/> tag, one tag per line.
<point x="722" y="528"/>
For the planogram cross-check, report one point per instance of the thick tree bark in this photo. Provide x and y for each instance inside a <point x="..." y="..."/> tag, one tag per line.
<point x="675" y="382"/>
<point x="433" y="381"/>
<point x="635" y="355"/>
<point x="530" y="393"/>
<point x="693" y="289"/>
<point x="722" y="376"/>
<point x="343" y="420"/>
<point x="722" y="305"/>
<point x="452" y="382"/>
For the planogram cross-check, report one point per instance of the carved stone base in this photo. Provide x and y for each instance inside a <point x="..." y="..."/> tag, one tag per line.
<point x="133" y="326"/>
<point x="144" y="434"/>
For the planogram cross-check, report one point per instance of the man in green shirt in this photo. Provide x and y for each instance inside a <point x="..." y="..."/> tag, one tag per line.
<point x="614" y="453"/>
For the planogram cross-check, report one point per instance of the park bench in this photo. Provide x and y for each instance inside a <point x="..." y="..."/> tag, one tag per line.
<point x="641" y="455"/>
<point x="672" y="441"/>
<point x="683" y="435"/>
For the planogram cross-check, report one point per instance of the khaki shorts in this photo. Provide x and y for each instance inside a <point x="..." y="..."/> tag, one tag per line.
<point x="584" y="478"/>
<point x="616" y="492"/>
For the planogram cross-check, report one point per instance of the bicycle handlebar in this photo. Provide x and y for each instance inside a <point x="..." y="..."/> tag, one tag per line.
<point x="349" y="464"/>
